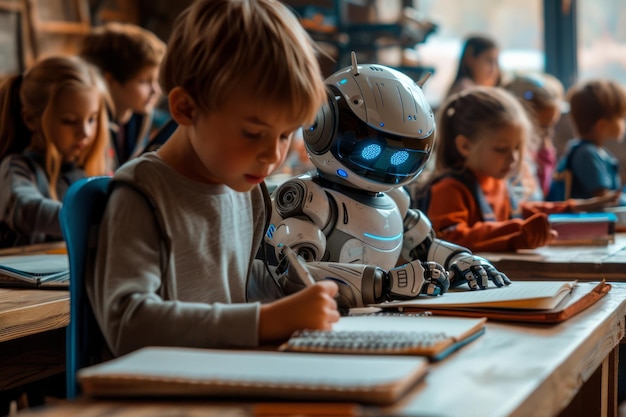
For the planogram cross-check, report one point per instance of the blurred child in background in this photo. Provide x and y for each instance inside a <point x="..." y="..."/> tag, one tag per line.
<point x="542" y="96"/>
<point x="597" y="109"/>
<point x="56" y="113"/>
<point x="129" y="58"/>
<point x="478" y="65"/>
<point x="482" y="135"/>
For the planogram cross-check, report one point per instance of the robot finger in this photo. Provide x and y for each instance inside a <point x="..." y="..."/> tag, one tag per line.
<point x="497" y="277"/>
<point x="431" y="289"/>
<point x="481" y="276"/>
<point x="471" y="280"/>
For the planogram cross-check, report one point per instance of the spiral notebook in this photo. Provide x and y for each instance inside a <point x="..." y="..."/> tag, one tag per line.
<point x="430" y="336"/>
<point x="210" y="373"/>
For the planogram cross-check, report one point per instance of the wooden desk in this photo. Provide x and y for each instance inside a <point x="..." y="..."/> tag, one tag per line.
<point x="585" y="263"/>
<point x="512" y="370"/>
<point x="32" y="335"/>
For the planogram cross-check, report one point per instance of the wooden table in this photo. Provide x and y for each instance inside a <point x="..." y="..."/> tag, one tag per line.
<point x="585" y="263"/>
<point x="512" y="370"/>
<point x="32" y="335"/>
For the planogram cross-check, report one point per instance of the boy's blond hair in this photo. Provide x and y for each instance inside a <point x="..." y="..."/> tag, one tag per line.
<point x="122" y="49"/>
<point x="221" y="45"/>
<point x="594" y="100"/>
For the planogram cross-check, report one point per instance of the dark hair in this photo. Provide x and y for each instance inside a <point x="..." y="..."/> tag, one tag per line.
<point x="122" y="49"/>
<point x="15" y="135"/>
<point x="473" y="46"/>
<point x="594" y="100"/>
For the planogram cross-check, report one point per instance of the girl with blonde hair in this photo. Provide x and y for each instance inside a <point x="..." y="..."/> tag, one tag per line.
<point x="53" y="132"/>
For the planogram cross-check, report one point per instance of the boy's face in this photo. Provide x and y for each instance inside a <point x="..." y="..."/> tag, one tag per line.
<point x="614" y="128"/>
<point x="139" y="94"/>
<point x="74" y="121"/>
<point x="242" y="143"/>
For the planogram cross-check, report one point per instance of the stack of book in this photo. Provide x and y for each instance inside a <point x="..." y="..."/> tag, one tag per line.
<point x="583" y="228"/>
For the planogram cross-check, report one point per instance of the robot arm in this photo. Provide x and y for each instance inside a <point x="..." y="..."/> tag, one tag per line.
<point x="361" y="285"/>
<point x="420" y="243"/>
<point x="300" y="212"/>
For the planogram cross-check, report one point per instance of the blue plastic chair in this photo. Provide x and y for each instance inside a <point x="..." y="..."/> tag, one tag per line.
<point x="80" y="216"/>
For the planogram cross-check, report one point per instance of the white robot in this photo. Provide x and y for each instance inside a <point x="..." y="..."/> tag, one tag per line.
<point x="350" y="220"/>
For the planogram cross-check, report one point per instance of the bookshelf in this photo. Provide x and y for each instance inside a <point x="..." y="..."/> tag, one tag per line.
<point x="378" y="31"/>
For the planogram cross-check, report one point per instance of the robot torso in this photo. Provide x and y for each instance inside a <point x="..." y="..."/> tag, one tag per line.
<point x="343" y="226"/>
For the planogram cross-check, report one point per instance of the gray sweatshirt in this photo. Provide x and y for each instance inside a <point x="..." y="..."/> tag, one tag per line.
<point x="27" y="213"/>
<point x="175" y="259"/>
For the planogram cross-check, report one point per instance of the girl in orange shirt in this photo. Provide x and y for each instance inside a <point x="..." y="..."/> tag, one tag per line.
<point x="482" y="136"/>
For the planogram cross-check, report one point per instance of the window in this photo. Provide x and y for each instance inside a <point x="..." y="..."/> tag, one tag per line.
<point x="516" y="25"/>
<point x="601" y="48"/>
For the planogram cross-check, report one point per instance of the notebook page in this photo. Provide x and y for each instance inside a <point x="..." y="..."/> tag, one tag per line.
<point x="520" y="294"/>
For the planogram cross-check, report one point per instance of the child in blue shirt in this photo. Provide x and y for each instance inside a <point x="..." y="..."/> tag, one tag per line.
<point x="598" y="112"/>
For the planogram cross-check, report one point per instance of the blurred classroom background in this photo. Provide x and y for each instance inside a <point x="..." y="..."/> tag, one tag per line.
<point x="573" y="40"/>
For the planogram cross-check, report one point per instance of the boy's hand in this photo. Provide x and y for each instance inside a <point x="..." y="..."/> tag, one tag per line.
<point x="311" y="308"/>
<point x="598" y="203"/>
<point x="536" y="231"/>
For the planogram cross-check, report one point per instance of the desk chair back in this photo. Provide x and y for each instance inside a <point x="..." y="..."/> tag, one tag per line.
<point x="83" y="207"/>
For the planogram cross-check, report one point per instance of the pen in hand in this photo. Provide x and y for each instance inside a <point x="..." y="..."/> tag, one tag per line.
<point x="298" y="264"/>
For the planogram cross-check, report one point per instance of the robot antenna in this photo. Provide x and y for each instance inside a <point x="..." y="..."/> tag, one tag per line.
<point x="424" y="79"/>
<point x="355" y="68"/>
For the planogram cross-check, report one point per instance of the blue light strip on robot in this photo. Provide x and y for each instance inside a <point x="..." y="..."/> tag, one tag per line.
<point x="371" y="236"/>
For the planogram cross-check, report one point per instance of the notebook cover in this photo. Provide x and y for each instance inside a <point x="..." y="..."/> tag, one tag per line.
<point x="187" y="372"/>
<point x="583" y="228"/>
<point x="583" y="296"/>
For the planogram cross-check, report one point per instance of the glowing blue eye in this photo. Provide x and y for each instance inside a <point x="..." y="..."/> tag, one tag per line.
<point x="399" y="158"/>
<point x="342" y="173"/>
<point x="381" y="124"/>
<point x="371" y="151"/>
<point x="343" y="81"/>
<point x="528" y="95"/>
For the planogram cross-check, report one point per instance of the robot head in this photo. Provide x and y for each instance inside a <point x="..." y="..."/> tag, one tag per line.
<point x="375" y="132"/>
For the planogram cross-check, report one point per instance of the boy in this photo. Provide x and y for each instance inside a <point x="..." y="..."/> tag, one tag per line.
<point x="175" y="262"/>
<point x="597" y="110"/>
<point x="129" y="58"/>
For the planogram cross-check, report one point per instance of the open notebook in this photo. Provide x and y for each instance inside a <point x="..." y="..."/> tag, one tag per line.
<point x="433" y="337"/>
<point x="525" y="295"/>
<point x="35" y="271"/>
<point x="187" y="372"/>
<point x="522" y="301"/>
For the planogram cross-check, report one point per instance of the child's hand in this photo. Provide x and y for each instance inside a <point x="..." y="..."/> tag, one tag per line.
<point x="536" y="231"/>
<point x="608" y="199"/>
<point x="311" y="308"/>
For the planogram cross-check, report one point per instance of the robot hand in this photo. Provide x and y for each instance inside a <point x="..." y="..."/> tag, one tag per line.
<point x="361" y="285"/>
<point x="476" y="271"/>
<point x="413" y="278"/>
